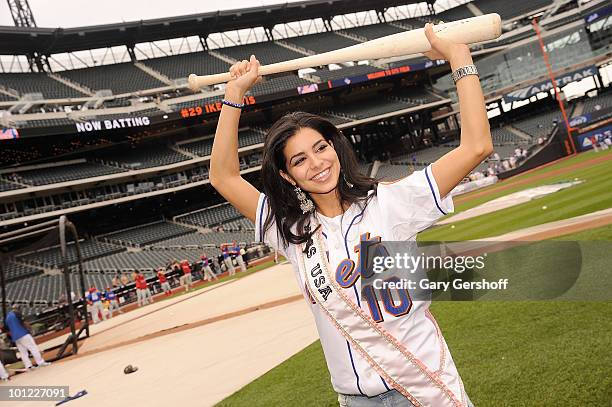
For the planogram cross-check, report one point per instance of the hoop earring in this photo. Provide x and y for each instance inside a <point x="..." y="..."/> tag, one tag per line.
<point x="346" y="181"/>
<point x="306" y="204"/>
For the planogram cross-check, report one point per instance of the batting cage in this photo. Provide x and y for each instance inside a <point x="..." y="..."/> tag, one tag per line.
<point x="42" y="280"/>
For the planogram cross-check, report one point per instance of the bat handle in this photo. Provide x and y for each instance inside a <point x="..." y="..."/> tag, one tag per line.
<point x="196" y="82"/>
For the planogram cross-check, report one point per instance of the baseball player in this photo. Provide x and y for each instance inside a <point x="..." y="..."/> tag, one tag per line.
<point x="227" y="259"/>
<point x="316" y="208"/>
<point x="4" y="376"/>
<point x="163" y="281"/>
<point x="19" y="331"/>
<point x="113" y="304"/>
<point x="148" y="294"/>
<point x="239" y="259"/>
<point x="206" y="270"/>
<point x="94" y="300"/>
<point x="187" y="279"/>
<point x="141" y="289"/>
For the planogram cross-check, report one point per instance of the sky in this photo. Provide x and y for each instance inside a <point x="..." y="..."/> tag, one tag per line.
<point x="75" y="13"/>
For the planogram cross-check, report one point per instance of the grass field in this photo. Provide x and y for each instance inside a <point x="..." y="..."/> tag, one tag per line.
<point x="472" y="199"/>
<point x="594" y="194"/>
<point x="527" y="353"/>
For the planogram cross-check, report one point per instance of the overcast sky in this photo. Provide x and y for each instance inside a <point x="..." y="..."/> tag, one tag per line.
<point x="75" y="13"/>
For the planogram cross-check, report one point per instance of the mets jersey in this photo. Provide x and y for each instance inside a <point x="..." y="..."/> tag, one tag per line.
<point x="397" y="212"/>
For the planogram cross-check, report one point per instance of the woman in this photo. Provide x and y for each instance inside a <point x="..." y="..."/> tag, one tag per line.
<point x="316" y="208"/>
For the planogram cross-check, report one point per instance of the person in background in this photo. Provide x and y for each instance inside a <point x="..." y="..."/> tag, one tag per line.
<point x="141" y="287"/>
<point x="148" y="293"/>
<point x="4" y="376"/>
<point x="227" y="259"/>
<point x="94" y="299"/>
<point x="19" y="330"/>
<point x="206" y="270"/>
<point x="239" y="259"/>
<point x="124" y="279"/>
<point x="491" y="170"/>
<point x="163" y="281"/>
<point x="113" y="304"/>
<point x="187" y="279"/>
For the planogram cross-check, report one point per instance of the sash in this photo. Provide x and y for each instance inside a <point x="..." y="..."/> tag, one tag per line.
<point x="385" y="354"/>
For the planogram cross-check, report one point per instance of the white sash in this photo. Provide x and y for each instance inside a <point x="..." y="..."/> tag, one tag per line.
<point x="387" y="356"/>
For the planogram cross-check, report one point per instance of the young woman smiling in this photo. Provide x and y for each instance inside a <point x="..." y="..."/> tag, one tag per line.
<point x="316" y="208"/>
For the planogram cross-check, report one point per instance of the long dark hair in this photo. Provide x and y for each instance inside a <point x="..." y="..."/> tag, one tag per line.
<point x="284" y="207"/>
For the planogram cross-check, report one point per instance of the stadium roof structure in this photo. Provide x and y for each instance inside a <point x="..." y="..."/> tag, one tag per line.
<point x="47" y="41"/>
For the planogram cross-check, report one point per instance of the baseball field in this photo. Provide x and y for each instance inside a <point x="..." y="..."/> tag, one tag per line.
<point x="198" y="348"/>
<point x="521" y="353"/>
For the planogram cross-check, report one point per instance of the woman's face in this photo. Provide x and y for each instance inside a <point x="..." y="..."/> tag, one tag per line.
<point x="312" y="162"/>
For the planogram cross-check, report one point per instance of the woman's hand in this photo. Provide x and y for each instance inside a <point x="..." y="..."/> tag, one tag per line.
<point x="456" y="54"/>
<point x="244" y="74"/>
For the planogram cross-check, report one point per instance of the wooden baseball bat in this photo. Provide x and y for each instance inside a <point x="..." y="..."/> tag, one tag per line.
<point x="468" y="31"/>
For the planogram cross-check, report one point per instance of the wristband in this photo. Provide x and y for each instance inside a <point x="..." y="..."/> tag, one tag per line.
<point x="232" y="104"/>
<point x="464" y="71"/>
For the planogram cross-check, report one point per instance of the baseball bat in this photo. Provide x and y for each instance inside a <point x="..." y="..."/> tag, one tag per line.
<point x="468" y="31"/>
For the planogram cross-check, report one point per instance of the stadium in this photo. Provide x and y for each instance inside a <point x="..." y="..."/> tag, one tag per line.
<point x="105" y="159"/>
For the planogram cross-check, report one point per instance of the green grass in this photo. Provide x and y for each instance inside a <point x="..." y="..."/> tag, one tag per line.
<point x="472" y="202"/>
<point x="594" y="194"/>
<point x="508" y="354"/>
<point x="302" y="380"/>
<point x="511" y="353"/>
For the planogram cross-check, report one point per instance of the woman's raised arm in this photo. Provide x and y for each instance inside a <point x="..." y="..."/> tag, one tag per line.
<point x="476" y="143"/>
<point x="224" y="163"/>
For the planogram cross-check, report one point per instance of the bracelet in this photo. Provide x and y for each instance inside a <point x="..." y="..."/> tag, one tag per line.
<point x="232" y="104"/>
<point x="464" y="71"/>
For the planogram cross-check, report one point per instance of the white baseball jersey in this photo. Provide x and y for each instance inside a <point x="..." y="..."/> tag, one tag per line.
<point x="397" y="213"/>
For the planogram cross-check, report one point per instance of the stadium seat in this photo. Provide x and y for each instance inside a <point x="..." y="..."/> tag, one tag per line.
<point x="210" y="217"/>
<point x="120" y="78"/>
<point x="510" y="9"/>
<point x="203" y="148"/>
<point x="15" y="271"/>
<point x="38" y="83"/>
<point x="147" y="234"/>
<point x="4" y="97"/>
<point x="65" y="173"/>
<point x="539" y="125"/>
<point x="597" y="103"/>
<point x="266" y="52"/>
<point x="392" y="172"/>
<point x="51" y="257"/>
<point x="44" y="122"/>
<point x="325" y="74"/>
<point x="181" y="65"/>
<point x="8" y="186"/>
<point x="321" y="42"/>
<point x="278" y="84"/>
<point x="373" y="31"/>
<point x="369" y="108"/>
<point x="139" y="156"/>
<point x="455" y="13"/>
<point x="146" y="260"/>
<point x="504" y="136"/>
<point x="210" y="239"/>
